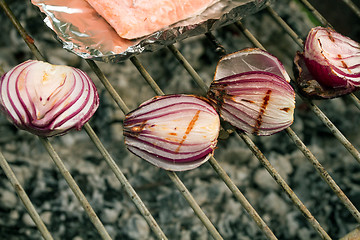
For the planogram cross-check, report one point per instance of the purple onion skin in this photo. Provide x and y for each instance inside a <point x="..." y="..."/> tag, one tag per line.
<point x="259" y="103"/>
<point x="173" y="132"/>
<point x="332" y="59"/>
<point x="309" y="87"/>
<point x="47" y="100"/>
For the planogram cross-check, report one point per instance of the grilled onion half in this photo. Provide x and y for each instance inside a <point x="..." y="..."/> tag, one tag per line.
<point x="46" y="99"/>
<point x="173" y="132"/>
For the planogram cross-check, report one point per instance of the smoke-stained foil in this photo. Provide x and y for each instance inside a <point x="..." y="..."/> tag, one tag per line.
<point x="84" y="32"/>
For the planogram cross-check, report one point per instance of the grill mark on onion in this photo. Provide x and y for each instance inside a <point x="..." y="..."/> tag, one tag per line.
<point x="262" y="111"/>
<point x="345" y="66"/>
<point x="286" y="109"/>
<point x="188" y="129"/>
<point x="272" y="129"/>
<point x="136" y="130"/>
<point x="58" y="112"/>
<point x="330" y="36"/>
<point x="246" y="100"/>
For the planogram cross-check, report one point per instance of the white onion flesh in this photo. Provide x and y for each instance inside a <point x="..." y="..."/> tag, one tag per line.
<point x="249" y="60"/>
<point x="173" y="132"/>
<point x="47" y="99"/>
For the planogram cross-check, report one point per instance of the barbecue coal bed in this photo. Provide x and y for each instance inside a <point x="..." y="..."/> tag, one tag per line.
<point x="301" y="183"/>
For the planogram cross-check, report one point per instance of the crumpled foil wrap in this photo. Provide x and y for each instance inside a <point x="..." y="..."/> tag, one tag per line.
<point x="84" y="32"/>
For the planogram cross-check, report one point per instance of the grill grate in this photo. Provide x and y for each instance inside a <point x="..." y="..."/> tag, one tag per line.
<point x="129" y="189"/>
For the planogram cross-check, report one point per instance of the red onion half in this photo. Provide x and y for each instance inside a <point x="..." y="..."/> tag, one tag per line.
<point x="249" y="60"/>
<point x="47" y="99"/>
<point x="260" y="103"/>
<point x="332" y="58"/>
<point x="174" y="132"/>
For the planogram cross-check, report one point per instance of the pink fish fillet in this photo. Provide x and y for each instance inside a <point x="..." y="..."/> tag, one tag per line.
<point x="137" y="18"/>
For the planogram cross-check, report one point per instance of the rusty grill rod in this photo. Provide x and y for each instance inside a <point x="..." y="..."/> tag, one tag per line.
<point x="75" y="189"/>
<point x="353" y="7"/>
<point x="22" y="194"/>
<point x="24" y="198"/>
<point x="212" y="161"/>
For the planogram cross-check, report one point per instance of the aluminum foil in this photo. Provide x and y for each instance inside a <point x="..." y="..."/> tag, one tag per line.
<point x="84" y="32"/>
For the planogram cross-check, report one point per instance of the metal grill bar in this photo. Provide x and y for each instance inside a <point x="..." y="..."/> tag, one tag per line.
<point x="242" y="199"/>
<point x="347" y="144"/>
<point x="297" y="202"/>
<point x="316" y="13"/>
<point x="353" y="7"/>
<point x="120" y="176"/>
<point x="22" y="194"/>
<point x="125" y="183"/>
<point x="324" y="174"/>
<point x="24" y="198"/>
<point x="57" y="160"/>
<point x="261" y="224"/>
<point x="76" y="190"/>
<point x="28" y="40"/>
<point x="355" y="100"/>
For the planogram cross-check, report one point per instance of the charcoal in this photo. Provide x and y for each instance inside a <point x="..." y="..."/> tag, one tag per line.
<point x="61" y="210"/>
